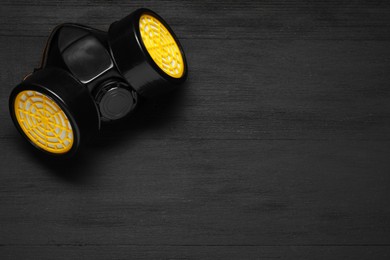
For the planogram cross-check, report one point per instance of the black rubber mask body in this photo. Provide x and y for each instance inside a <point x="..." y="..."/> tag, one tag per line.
<point x="88" y="76"/>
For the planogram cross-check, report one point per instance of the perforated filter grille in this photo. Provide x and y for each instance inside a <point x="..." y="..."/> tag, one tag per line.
<point x="161" y="46"/>
<point x="43" y="121"/>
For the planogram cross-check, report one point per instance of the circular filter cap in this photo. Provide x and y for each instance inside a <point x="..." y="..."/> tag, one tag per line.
<point x="43" y="121"/>
<point x="147" y="53"/>
<point x="161" y="45"/>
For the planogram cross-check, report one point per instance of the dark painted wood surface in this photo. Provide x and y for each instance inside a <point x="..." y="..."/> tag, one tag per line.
<point x="277" y="147"/>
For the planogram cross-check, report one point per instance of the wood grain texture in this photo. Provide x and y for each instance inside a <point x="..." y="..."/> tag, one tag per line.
<point x="277" y="147"/>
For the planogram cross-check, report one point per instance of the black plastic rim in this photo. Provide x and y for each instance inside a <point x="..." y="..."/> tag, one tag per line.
<point x="72" y="97"/>
<point x="134" y="61"/>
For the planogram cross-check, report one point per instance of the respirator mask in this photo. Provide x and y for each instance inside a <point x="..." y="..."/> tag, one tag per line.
<point x="88" y="76"/>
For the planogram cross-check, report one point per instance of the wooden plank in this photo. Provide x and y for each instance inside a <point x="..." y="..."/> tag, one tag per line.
<point x="199" y="192"/>
<point x="198" y="252"/>
<point x="251" y="89"/>
<point x="280" y="19"/>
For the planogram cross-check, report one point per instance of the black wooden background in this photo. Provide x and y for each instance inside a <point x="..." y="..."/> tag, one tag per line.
<point x="277" y="147"/>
